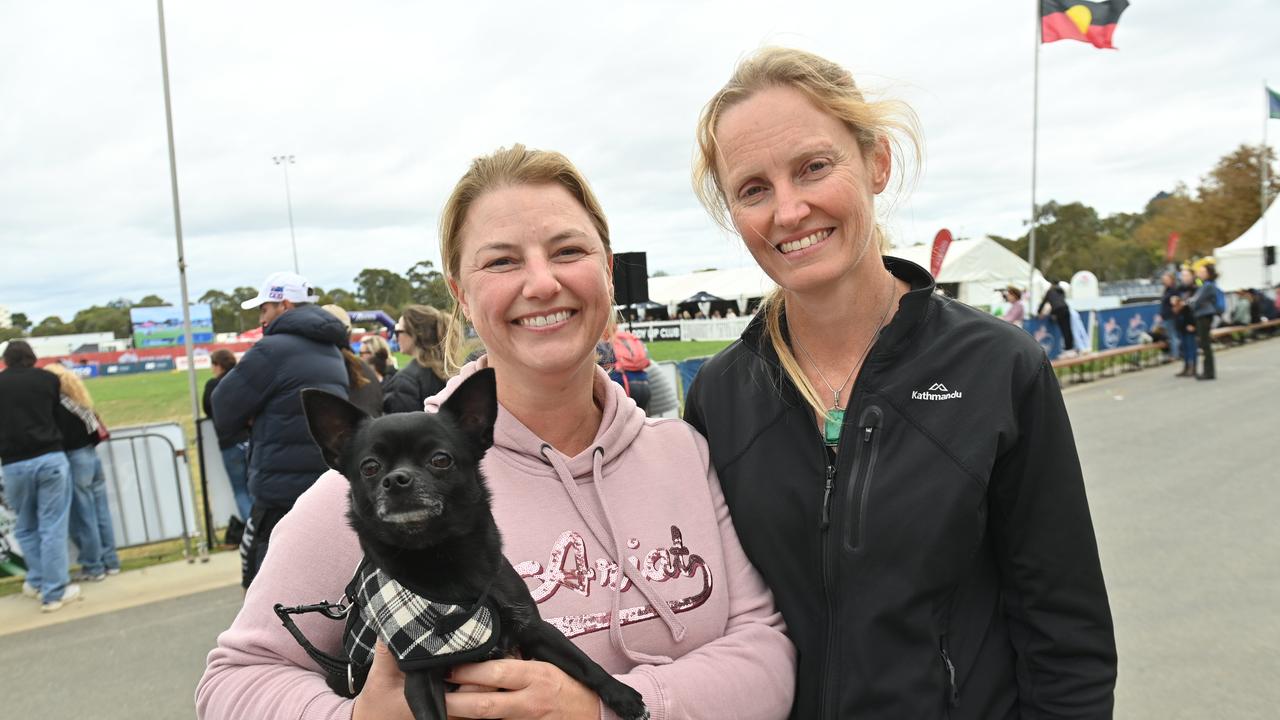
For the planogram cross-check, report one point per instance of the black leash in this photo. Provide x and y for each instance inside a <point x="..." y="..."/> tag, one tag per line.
<point x="333" y="666"/>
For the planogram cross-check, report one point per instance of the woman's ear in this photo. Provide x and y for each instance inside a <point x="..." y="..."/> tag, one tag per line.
<point x="881" y="165"/>
<point x="456" y="289"/>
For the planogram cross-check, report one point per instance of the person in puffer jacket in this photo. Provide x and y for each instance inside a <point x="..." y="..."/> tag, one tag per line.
<point x="299" y="349"/>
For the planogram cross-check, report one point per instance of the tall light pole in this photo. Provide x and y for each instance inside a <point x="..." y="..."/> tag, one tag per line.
<point x="285" y="161"/>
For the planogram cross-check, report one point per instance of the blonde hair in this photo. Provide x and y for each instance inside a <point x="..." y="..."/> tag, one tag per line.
<point x="71" y="385"/>
<point x="830" y="88"/>
<point x="429" y="328"/>
<point x="505" y="167"/>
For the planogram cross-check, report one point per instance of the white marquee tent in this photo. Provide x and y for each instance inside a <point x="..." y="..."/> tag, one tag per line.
<point x="980" y="267"/>
<point x="1239" y="262"/>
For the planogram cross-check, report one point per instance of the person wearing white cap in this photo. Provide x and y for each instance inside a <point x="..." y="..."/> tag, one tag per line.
<point x="300" y="348"/>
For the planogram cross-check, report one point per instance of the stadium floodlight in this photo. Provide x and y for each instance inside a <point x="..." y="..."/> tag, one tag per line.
<point x="285" y="161"/>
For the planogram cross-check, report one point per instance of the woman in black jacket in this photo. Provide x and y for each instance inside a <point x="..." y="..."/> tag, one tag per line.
<point x="900" y="466"/>
<point x="421" y="332"/>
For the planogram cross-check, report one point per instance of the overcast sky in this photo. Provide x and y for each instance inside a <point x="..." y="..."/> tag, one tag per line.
<point x="384" y="103"/>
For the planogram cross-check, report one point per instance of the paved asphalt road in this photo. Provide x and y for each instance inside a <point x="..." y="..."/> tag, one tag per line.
<point x="1183" y="482"/>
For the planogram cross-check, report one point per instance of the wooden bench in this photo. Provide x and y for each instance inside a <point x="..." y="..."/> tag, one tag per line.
<point x="1083" y="368"/>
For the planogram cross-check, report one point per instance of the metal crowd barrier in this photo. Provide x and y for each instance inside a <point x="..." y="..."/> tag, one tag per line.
<point x="149" y="486"/>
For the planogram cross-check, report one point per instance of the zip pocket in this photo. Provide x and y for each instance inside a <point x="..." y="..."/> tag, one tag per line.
<point x="953" y="692"/>
<point x="864" y="465"/>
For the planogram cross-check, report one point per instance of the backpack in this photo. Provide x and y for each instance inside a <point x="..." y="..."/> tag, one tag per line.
<point x="1219" y="299"/>
<point x="629" y="353"/>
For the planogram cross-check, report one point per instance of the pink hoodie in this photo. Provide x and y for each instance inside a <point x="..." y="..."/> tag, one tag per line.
<point x="645" y="489"/>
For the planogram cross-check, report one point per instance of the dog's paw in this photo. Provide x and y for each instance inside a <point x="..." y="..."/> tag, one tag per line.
<point x="625" y="701"/>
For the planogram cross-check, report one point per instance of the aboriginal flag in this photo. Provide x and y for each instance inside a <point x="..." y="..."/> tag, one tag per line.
<point x="1091" y="22"/>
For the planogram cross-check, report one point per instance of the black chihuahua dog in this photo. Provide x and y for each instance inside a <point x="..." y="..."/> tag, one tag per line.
<point x="420" y="507"/>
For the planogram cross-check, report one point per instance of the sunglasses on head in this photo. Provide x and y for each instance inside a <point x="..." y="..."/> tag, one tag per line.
<point x="402" y="331"/>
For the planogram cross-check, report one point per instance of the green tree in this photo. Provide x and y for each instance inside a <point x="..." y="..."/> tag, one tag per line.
<point x="151" y="301"/>
<point x="245" y="319"/>
<point x="378" y="288"/>
<point x="21" y="321"/>
<point x="103" y="318"/>
<point x="225" y="309"/>
<point x="428" y="286"/>
<point x="9" y="333"/>
<point x="52" y="325"/>
<point x="1065" y="239"/>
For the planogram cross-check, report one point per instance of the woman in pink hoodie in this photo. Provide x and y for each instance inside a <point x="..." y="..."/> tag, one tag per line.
<point x="616" y="521"/>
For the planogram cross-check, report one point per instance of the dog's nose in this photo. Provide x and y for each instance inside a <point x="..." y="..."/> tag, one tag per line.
<point x="401" y="479"/>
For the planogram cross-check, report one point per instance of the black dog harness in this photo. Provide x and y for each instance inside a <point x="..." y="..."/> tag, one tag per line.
<point x="420" y="633"/>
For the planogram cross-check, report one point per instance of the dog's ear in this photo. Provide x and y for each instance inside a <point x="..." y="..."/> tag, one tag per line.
<point x="475" y="406"/>
<point x="332" y="421"/>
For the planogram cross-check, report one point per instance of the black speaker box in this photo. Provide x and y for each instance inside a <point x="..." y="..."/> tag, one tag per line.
<point x="630" y="278"/>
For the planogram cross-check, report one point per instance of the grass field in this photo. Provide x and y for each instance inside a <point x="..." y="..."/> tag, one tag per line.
<point x="158" y="397"/>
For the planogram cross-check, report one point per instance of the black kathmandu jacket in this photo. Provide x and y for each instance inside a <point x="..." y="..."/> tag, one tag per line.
<point x="299" y="350"/>
<point x="943" y="563"/>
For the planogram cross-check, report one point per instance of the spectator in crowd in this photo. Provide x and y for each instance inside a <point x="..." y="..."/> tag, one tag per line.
<point x="375" y="350"/>
<point x="420" y="332"/>
<point x="1206" y="304"/>
<point x="1184" y="324"/>
<point x="299" y="349"/>
<point x="575" y="469"/>
<point x="1173" y="333"/>
<point x="1265" y="305"/>
<point x="900" y="467"/>
<point x="91" y="525"/>
<point x="1017" y="308"/>
<point x="1055" y="305"/>
<point x="37" y="475"/>
<point x="234" y="444"/>
<point x="364" y="389"/>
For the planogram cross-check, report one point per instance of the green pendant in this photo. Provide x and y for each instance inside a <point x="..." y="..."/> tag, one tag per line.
<point x="831" y="427"/>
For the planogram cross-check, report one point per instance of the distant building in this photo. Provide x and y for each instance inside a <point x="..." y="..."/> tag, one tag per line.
<point x="59" y="345"/>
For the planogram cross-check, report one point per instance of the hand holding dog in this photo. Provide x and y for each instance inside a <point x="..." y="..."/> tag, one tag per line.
<point x="535" y="691"/>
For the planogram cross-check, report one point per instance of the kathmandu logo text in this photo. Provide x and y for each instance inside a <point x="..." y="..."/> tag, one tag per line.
<point x="937" y="391"/>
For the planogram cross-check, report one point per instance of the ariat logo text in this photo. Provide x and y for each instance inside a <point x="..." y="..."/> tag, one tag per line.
<point x="936" y="391"/>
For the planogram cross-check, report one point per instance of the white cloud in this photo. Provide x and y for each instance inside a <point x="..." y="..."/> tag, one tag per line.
<point x="384" y="103"/>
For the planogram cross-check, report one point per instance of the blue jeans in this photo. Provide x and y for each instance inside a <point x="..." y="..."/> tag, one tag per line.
<point x="91" y="526"/>
<point x="1188" y="340"/>
<point x="235" y="460"/>
<point x="39" y="490"/>
<point x="1174" y="333"/>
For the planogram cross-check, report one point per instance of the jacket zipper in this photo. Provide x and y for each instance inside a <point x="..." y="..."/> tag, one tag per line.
<point x="824" y="524"/>
<point x="864" y="467"/>
<point x="953" y="693"/>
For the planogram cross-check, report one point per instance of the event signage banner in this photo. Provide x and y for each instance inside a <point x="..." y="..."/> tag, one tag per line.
<point x="162" y="326"/>
<point x="142" y="366"/>
<point x="656" y="332"/>
<point x="1046" y="332"/>
<point x="1127" y="325"/>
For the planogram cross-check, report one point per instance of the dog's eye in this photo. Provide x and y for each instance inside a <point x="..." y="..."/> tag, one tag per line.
<point x="441" y="461"/>
<point x="369" y="468"/>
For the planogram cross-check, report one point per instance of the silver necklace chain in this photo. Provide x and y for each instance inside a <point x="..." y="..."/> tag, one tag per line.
<point x="835" y="403"/>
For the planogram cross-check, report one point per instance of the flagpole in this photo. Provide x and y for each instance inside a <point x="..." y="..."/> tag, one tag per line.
<point x="1035" y="124"/>
<point x="177" y="227"/>
<point x="1262" y="162"/>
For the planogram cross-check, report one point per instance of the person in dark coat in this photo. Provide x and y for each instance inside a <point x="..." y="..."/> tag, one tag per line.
<point x="1054" y="305"/>
<point x="299" y="349"/>
<point x="420" y="331"/>
<point x="37" y="474"/>
<point x="234" y="446"/>
<point x="375" y="351"/>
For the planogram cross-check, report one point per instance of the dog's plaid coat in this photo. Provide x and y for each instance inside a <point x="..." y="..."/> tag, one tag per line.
<point x="419" y="632"/>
